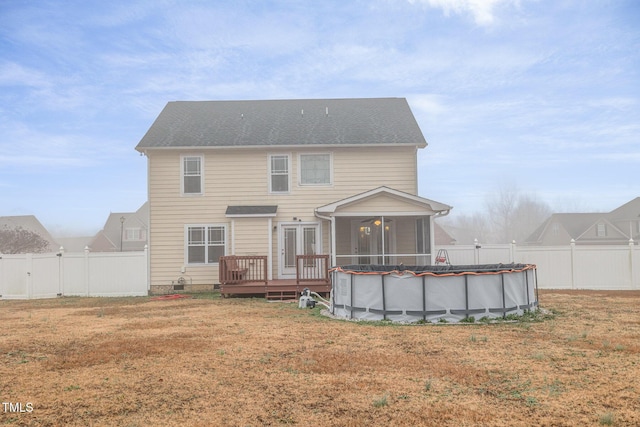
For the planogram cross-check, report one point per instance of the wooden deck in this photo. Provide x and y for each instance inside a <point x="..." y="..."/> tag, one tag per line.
<point x="246" y="275"/>
<point x="274" y="289"/>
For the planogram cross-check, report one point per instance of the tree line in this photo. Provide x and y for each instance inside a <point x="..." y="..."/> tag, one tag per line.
<point x="508" y="215"/>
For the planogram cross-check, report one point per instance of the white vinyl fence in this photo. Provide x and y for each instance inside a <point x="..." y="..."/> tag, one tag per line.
<point x="96" y="274"/>
<point x="126" y="273"/>
<point x="602" y="267"/>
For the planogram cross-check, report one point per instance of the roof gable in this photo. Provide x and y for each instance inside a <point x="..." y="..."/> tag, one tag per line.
<point x="628" y="211"/>
<point x="29" y="223"/>
<point x="294" y="122"/>
<point x="371" y="199"/>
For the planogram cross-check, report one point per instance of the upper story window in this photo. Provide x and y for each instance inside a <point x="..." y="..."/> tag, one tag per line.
<point x="134" y="234"/>
<point x="205" y="243"/>
<point x="315" y="169"/>
<point x="279" y="173"/>
<point x="192" y="174"/>
<point x="601" y="230"/>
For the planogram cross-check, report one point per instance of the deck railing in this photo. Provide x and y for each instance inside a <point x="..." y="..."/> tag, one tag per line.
<point x="312" y="268"/>
<point x="241" y="269"/>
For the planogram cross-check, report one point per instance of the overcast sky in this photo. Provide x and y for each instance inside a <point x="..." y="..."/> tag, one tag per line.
<point x="543" y="95"/>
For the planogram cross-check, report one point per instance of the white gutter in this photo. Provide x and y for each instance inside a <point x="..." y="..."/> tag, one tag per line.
<point x="332" y="234"/>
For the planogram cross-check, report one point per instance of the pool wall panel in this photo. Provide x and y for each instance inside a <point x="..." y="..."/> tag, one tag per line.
<point x="407" y="296"/>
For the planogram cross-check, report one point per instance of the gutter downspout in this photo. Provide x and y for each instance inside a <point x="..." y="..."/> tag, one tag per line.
<point x="332" y="234"/>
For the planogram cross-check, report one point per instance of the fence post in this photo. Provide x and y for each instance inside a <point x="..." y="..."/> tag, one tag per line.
<point x="86" y="270"/>
<point x="147" y="268"/>
<point x="1" y="277"/>
<point x="632" y="268"/>
<point x="476" y="252"/>
<point x="573" y="262"/>
<point x="60" y="271"/>
<point x="512" y="252"/>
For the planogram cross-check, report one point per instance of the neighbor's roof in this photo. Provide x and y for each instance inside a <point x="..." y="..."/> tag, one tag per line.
<point x="574" y="223"/>
<point x="293" y="122"/>
<point x="29" y="223"/>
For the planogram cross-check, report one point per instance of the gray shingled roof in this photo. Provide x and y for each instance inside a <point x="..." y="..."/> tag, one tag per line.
<point x="284" y="123"/>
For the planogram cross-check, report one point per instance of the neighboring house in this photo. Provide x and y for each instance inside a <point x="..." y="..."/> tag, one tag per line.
<point x="30" y="223"/>
<point x="74" y="244"/>
<point x="123" y="231"/>
<point x="442" y="237"/>
<point x="280" y="178"/>
<point x="611" y="228"/>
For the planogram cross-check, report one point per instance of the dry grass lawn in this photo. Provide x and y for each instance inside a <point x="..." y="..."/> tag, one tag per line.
<point x="207" y="361"/>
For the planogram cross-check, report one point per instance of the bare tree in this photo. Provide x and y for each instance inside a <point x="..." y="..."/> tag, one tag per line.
<point x="468" y="227"/>
<point x="20" y="241"/>
<point x="509" y="215"/>
<point x="501" y="206"/>
<point x="514" y="215"/>
<point x="529" y="213"/>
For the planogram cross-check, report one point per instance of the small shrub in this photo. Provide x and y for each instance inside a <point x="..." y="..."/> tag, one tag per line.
<point x="379" y="403"/>
<point x="607" y="419"/>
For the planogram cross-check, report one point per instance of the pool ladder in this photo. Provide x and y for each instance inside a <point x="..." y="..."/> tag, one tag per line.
<point x="442" y="257"/>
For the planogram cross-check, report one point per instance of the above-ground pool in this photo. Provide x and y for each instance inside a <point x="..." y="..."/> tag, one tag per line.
<point x="433" y="293"/>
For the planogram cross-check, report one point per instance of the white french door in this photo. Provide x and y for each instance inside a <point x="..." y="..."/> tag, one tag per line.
<point x="296" y="239"/>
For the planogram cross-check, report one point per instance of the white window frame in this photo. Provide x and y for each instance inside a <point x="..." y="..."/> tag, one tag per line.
<point x="206" y="227"/>
<point x="133" y="234"/>
<point x="182" y="174"/>
<point x="323" y="184"/>
<point x="270" y="175"/>
<point x="601" y="229"/>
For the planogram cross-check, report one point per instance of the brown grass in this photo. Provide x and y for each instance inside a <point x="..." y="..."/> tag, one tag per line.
<point x="247" y="362"/>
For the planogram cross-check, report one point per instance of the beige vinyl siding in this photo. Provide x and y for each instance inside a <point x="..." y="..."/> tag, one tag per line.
<point x="240" y="177"/>
<point x="380" y="203"/>
<point x="250" y="236"/>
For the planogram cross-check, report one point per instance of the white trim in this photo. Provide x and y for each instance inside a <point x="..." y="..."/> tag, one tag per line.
<point x="289" y="172"/>
<point x="378" y="213"/>
<point x="270" y="252"/>
<point x="432" y="240"/>
<point x="182" y="176"/>
<point x="233" y="238"/>
<point x="300" y="225"/>
<point x="432" y="205"/>
<point x="144" y="150"/>
<point x="149" y="250"/>
<point x="315" y="153"/>
<point x="273" y="215"/>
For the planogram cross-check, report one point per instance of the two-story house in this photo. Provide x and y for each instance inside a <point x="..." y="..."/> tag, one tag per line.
<point x="618" y="227"/>
<point x="123" y="231"/>
<point x="281" y="178"/>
